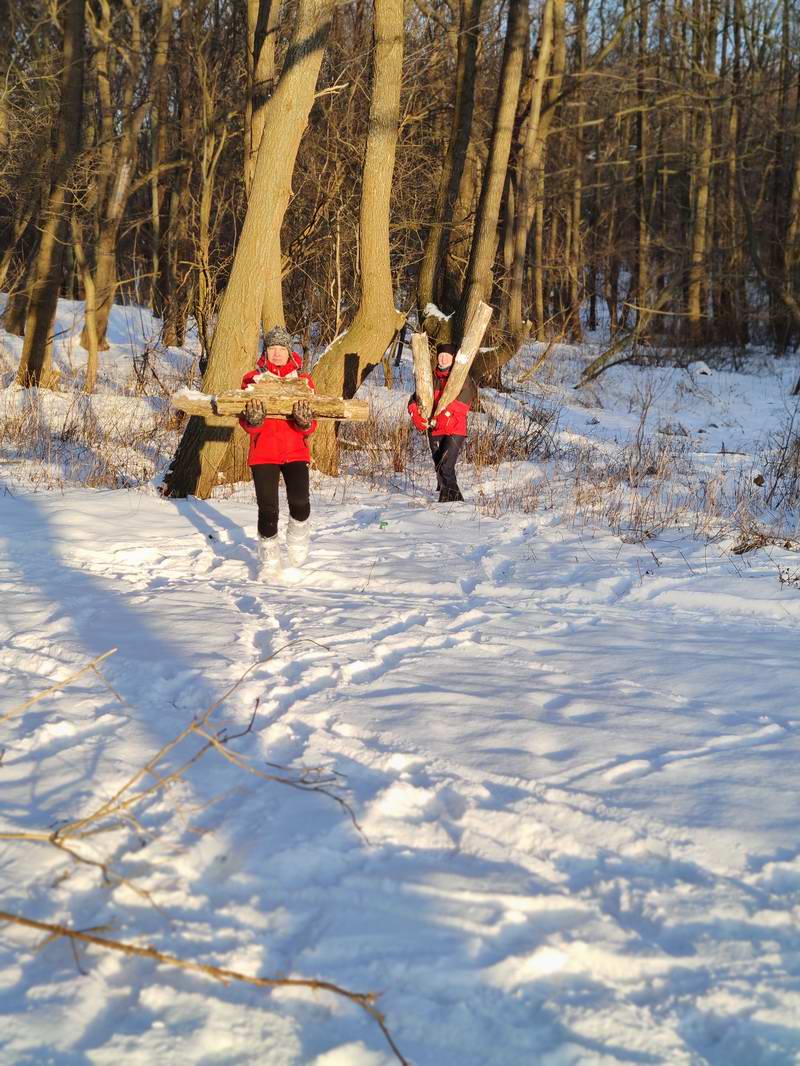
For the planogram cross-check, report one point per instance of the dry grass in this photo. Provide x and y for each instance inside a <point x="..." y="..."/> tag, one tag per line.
<point x="782" y="466"/>
<point x="527" y="433"/>
<point x="58" y="439"/>
<point x="385" y="450"/>
<point x="650" y="485"/>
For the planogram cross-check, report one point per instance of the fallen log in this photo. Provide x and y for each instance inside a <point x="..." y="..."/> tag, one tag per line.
<point x="278" y="397"/>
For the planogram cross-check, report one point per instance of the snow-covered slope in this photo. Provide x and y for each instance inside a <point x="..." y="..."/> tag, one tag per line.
<point x="574" y="768"/>
<point x="561" y="720"/>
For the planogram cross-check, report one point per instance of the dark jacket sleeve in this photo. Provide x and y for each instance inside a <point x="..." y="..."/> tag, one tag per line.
<point x="469" y="392"/>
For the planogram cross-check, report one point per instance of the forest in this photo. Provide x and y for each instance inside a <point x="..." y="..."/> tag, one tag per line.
<point x="338" y="167"/>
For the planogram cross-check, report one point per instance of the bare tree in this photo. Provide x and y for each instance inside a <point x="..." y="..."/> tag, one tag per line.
<point x="120" y="125"/>
<point x="263" y="19"/>
<point x="352" y="356"/>
<point x="479" y="271"/>
<point x="430" y="286"/>
<point x="202" y="451"/>
<point x="35" y="367"/>
<point x="531" y="175"/>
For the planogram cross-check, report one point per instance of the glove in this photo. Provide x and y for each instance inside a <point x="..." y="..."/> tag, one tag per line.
<point x="420" y="423"/>
<point x="255" y="412"/>
<point x="302" y="415"/>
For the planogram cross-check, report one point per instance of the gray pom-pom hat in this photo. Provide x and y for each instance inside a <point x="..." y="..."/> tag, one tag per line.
<point x="278" y="337"/>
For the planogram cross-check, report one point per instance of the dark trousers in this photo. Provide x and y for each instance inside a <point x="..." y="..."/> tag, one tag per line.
<point x="445" y="451"/>
<point x="265" y="479"/>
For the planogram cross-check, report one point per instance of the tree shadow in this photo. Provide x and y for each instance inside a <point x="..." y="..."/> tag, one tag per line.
<point x="226" y="538"/>
<point x="96" y="614"/>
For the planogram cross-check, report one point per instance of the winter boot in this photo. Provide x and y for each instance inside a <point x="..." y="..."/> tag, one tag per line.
<point x="297" y="534"/>
<point x="269" y="555"/>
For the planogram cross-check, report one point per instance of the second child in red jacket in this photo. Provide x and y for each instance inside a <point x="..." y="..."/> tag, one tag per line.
<point x="279" y="447"/>
<point x="448" y="431"/>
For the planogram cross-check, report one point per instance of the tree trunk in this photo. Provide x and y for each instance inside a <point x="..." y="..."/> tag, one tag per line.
<point x="19" y="224"/>
<point x="34" y="367"/>
<point x="90" y="316"/>
<point x="538" y="260"/>
<point x="204" y="443"/>
<point x="732" y="325"/>
<point x="642" y="175"/>
<point x="120" y="175"/>
<point x="696" y="309"/>
<point x="484" y="235"/>
<point x="551" y="52"/>
<point x="529" y="176"/>
<point x="430" y="285"/>
<point x="159" y="114"/>
<point x="791" y="245"/>
<point x="352" y="356"/>
<point x="263" y="19"/>
<point x="576" y="287"/>
<point x="17" y="307"/>
<point x="262" y="32"/>
<point x="458" y="236"/>
<point x="175" y="277"/>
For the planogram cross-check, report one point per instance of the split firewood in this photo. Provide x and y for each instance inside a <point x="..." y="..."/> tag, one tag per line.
<point x="278" y="398"/>
<point x="465" y="357"/>
<point x="423" y="375"/>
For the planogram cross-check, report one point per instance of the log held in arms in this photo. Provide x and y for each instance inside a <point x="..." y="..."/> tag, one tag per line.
<point x="278" y="397"/>
<point x="462" y="364"/>
<point x="423" y="374"/>
<point x="465" y="357"/>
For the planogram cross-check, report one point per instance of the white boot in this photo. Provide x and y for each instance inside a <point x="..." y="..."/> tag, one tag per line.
<point x="269" y="555"/>
<point x="297" y="534"/>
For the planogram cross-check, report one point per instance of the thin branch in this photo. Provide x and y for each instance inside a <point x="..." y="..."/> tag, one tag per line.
<point x="365" y="1000"/>
<point x="56" y="687"/>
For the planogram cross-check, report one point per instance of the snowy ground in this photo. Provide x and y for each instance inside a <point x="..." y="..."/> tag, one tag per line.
<point x="572" y="760"/>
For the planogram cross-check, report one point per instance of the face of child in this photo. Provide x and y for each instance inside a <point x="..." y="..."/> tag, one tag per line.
<point x="278" y="355"/>
<point x="445" y="360"/>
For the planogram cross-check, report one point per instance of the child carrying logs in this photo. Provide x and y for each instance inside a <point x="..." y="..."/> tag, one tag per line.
<point x="279" y="448"/>
<point x="447" y="431"/>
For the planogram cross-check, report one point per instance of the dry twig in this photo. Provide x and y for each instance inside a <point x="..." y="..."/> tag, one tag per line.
<point x="365" y="1000"/>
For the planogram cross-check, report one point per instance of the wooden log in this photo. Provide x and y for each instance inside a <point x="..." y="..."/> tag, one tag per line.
<point x="423" y="375"/>
<point x="278" y="397"/>
<point x="465" y="356"/>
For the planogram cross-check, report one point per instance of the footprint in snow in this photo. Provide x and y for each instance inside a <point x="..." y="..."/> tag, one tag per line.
<point x="366" y="516"/>
<point x="628" y="770"/>
<point x="500" y="572"/>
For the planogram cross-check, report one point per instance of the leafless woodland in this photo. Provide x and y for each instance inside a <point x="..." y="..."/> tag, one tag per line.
<point x="337" y="167"/>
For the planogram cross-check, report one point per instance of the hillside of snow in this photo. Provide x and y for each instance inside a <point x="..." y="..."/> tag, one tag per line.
<point x="524" y="766"/>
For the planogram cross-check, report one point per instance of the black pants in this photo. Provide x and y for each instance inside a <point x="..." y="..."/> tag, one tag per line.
<point x="265" y="479"/>
<point x="445" y="451"/>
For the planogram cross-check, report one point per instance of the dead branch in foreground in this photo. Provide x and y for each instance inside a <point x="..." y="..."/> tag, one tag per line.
<point x="365" y="1000"/>
<point x="119" y="810"/>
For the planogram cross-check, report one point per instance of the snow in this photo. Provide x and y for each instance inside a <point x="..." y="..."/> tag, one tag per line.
<point x="432" y="311"/>
<point x="571" y="757"/>
<point x="191" y="395"/>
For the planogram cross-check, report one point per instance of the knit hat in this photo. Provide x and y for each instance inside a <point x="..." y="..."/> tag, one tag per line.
<point x="447" y="349"/>
<point x="278" y="337"/>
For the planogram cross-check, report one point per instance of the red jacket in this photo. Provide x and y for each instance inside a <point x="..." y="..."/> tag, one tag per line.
<point x="452" y="421"/>
<point x="277" y="440"/>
